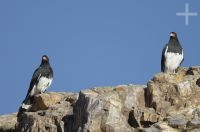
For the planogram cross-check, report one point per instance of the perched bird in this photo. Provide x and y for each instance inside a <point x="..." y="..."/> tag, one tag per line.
<point x="172" y="55"/>
<point x="41" y="80"/>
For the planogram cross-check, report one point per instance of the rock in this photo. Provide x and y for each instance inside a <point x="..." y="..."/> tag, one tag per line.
<point x="198" y="82"/>
<point x="51" y="115"/>
<point x="169" y="103"/>
<point x="195" y="70"/>
<point x="178" y="121"/>
<point x="195" y="122"/>
<point x="43" y="101"/>
<point x="160" y="127"/>
<point x="175" y="98"/>
<point x="168" y="94"/>
<point x="107" y="109"/>
<point x="7" y="122"/>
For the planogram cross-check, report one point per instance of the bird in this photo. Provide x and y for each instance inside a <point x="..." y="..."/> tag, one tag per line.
<point x="172" y="55"/>
<point x="41" y="80"/>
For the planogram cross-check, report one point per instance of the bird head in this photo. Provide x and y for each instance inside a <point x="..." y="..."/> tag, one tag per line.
<point x="173" y="35"/>
<point x="45" y="59"/>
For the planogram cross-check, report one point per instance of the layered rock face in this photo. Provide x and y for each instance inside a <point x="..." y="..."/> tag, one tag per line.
<point x="107" y="109"/>
<point x="168" y="103"/>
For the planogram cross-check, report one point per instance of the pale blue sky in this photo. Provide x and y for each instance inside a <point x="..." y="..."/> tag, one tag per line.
<point x="89" y="42"/>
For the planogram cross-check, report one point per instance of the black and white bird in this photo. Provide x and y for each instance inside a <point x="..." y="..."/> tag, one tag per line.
<point x="41" y="80"/>
<point x="172" y="55"/>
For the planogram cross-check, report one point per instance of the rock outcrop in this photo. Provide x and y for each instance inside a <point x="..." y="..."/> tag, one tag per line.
<point x="53" y="112"/>
<point x="168" y="103"/>
<point x="7" y="122"/>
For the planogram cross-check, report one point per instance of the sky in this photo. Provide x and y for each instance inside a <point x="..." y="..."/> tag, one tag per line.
<point x="90" y="43"/>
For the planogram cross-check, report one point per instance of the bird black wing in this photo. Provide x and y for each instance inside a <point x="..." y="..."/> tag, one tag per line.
<point x="28" y="100"/>
<point x="45" y="71"/>
<point x="182" y="59"/>
<point x="163" y="58"/>
<point x="34" y="81"/>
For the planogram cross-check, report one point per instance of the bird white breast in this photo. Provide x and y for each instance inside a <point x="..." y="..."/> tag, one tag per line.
<point x="43" y="84"/>
<point x="172" y="60"/>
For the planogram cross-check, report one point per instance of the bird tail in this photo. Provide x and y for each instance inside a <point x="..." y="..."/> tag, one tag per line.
<point x="26" y="105"/>
<point x="21" y="111"/>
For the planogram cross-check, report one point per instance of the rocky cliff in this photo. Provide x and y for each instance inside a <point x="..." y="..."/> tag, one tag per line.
<point x="168" y="103"/>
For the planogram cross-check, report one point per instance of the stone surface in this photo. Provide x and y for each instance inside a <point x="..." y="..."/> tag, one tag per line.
<point x="7" y="122"/>
<point x="43" y="101"/>
<point x="175" y="98"/>
<point x="108" y="109"/>
<point x="54" y="113"/>
<point x="160" y="127"/>
<point x="169" y="103"/>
